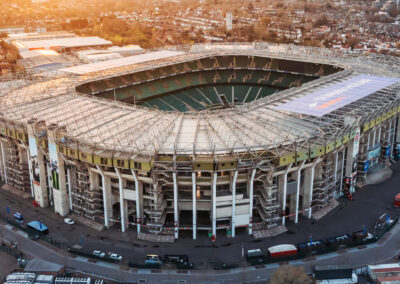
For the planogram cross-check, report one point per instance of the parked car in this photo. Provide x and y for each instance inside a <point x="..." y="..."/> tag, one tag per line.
<point x="152" y="259"/>
<point x="99" y="253"/>
<point x="69" y="221"/>
<point x="396" y="202"/>
<point x="114" y="256"/>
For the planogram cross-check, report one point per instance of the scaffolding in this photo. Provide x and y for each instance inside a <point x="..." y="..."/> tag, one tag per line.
<point x="156" y="209"/>
<point x="267" y="205"/>
<point x="324" y="188"/>
<point x="17" y="168"/>
<point x="86" y="200"/>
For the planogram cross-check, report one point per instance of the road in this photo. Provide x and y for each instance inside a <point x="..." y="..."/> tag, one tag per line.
<point x="368" y="203"/>
<point x="370" y="254"/>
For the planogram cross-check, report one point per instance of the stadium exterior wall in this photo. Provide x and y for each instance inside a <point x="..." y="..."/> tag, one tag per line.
<point x="155" y="192"/>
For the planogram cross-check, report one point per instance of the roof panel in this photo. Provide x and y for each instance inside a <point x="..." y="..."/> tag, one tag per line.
<point x="108" y="64"/>
<point x="328" y="99"/>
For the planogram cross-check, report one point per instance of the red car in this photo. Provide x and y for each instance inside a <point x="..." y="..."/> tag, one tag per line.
<point x="396" y="202"/>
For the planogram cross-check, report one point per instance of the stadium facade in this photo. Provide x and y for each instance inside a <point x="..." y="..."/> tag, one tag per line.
<point x="204" y="137"/>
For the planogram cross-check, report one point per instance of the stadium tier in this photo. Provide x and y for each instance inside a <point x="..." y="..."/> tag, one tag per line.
<point x="204" y="137"/>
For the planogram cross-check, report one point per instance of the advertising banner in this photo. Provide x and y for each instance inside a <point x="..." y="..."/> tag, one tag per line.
<point x="34" y="163"/>
<point x="328" y="99"/>
<point x="53" y="167"/>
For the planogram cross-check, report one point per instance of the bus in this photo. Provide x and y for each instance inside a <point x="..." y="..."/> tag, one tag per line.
<point x="39" y="227"/>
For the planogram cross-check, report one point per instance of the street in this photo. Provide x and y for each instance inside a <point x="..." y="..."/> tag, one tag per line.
<point x="368" y="203"/>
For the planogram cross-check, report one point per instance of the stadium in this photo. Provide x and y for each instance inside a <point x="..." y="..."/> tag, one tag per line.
<point x="208" y="137"/>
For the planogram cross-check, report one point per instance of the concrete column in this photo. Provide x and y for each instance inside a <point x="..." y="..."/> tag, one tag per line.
<point x="3" y="158"/>
<point x="341" y="174"/>
<point x="214" y="204"/>
<point x="336" y="166"/>
<point x="392" y="132"/>
<point x="121" y="200"/>
<point x="38" y="168"/>
<point x="138" y="201"/>
<point x="176" y="211"/>
<point x="69" y="188"/>
<point x="194" y="203"/>
<point x="352" y="153"/>
<point x="374" y="138"/>
<point x="285" y="175"/>
<point x="50" y="189"/>
<point x="368" y="140"/>
<point x="251" y="197"/>
<point x="389" y="138"/>
<point x="106" y="196"/>
<point x="398" y="130"/>
<point x="233" y="226"/>
<point x="56" y="170"/>
<point x="379" y="134"/>
<point x="296" y="216"/>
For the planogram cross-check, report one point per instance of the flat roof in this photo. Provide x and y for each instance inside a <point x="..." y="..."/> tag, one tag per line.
<point x="34" y="53"/>
<point x="328" y="99"/>
<point x="125" y="48"/>
<point x="37" y="225"/>
<point x="61" y="42"/>
<point x="119" y="62"/>
<point x="282" y="248"/>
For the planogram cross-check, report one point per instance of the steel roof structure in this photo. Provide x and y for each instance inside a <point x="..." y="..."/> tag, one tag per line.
<point x="115" y="128"/>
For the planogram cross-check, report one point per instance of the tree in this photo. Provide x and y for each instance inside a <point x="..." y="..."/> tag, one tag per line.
<point x="290" y="275"/>
<point x="322" y="21"/>
<point x="353" y="41"/>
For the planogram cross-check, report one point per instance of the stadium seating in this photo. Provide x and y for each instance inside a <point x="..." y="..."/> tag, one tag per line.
<point x="207" y="82"/>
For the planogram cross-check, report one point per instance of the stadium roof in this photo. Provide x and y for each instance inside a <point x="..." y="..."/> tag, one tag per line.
<point x="108" y="64"/>
<point x="330" y="98"/>
<point x="61" y="42"/>
<point x="106" y="126"/>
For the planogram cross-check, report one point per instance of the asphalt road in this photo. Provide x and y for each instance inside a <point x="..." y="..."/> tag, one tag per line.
<point x="368" y="203"/>
<point x="356" y="257"/>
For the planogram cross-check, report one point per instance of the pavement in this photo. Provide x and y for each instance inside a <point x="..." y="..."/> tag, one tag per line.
<point x="349" y="216"/>
<point x="7" y="264"/>
<point x="379" y="176"/>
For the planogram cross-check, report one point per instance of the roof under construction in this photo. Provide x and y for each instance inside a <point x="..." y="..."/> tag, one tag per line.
<point x="107" y="126"/>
